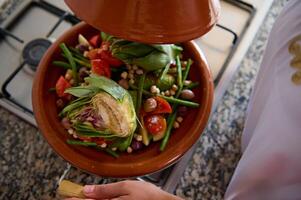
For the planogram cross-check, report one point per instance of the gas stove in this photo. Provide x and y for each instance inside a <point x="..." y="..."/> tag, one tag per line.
<point x="30" y="28"/>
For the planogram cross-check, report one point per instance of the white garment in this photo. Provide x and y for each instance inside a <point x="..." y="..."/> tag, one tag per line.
<point x="270" y="167"/>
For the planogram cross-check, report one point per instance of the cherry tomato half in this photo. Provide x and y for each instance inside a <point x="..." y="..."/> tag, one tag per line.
<point x="155" y="124"/>
<point x="95" y="40"/>
<point x="61" y="85"/>
<point x="162" y="106"/>
<point x="101" y="67"/>
<point x="107" y="56"/>
<point x="94" y="54"/>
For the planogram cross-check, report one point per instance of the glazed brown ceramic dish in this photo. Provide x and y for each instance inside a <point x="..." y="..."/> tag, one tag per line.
<point x="142" y="162"/>
<point x="149" y="21"/>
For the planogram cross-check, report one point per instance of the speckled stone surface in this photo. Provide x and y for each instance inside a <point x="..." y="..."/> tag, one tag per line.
<point x="29" y="169"/>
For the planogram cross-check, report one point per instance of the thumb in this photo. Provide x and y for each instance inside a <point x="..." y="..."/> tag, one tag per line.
<point x="106" y="191"/>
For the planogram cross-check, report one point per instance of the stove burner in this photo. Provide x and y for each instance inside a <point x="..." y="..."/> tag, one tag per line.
<point x="34" y="51"/>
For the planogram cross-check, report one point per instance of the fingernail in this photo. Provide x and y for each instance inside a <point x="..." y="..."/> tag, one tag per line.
<point x="89" y="188"/>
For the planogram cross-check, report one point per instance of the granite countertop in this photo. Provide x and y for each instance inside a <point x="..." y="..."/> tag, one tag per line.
<point x="29" y="169"/>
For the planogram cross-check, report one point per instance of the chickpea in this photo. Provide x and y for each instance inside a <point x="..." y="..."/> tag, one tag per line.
<point x="124" y="75"/>
<point x="131" y="76"/>
<point x="135" y="67"/>
<point x="139" y="138"/>
<point x="154" y="89"/>
<point x="187" y="82"/>
<point x="174" y="87"/>
<point x="176" y="125"/>
<point x="150" y="104"/>
<point x="70" y="131"/>
<point x="131" y="81"/>
<point x="68" y="75"/>
<point x="72" y="81"/>
<point x="180" y="119"/>
<point x="129" y="150"/>
<point x="167" y="93"/>
<point x="187" y="94"/>
<point x="103" y="145"/>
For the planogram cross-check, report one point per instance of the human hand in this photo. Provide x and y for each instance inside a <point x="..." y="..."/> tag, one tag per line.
<point x="126" y="190"/>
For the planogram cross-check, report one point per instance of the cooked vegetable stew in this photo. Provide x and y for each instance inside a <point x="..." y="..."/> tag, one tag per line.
<point x="119" y="96"/>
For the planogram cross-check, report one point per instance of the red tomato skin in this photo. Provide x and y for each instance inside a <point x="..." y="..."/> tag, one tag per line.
<point x="101" y="67"/>
<point x="163" y="107"/>
<point x="94" y="54"/>
<point x="95" y="40"/>
<point x="155" y="124"/>
<point x="107" y="55"/>
<point x="85" y="138"/>
<point x="61" y="85"/>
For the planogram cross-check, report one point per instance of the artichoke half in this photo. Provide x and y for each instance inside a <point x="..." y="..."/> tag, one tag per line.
<point x="117" y="116"/>
<point x="106" y="100"/>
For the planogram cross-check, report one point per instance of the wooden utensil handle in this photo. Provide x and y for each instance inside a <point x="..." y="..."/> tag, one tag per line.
<point x="69" y="189"/>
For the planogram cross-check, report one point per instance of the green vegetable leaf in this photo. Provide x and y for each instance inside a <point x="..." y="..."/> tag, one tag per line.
<point x="107" y="85"/>
<point x="153" y="61"/>
<point x="106" y="37"/>
<point x="74" y="105"/>
<point x="170" y="49"/>
<point x="82" y="91"/>
<point x="81" y="143"/>
<point x="123" y="143"/>
<point x="135" y="49"/>
<point x="90" y="131"/>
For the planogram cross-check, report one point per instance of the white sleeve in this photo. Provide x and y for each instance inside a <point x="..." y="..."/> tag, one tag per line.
<point x="270" y="166"/>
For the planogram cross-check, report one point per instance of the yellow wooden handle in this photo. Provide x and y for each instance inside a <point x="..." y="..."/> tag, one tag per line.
<point x="69" y="189"/>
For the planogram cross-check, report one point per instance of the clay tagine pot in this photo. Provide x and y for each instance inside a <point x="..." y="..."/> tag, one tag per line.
<point x="145" y="161"/>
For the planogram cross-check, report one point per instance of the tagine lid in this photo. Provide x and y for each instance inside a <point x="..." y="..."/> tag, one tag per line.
<point x="148" y="21"/>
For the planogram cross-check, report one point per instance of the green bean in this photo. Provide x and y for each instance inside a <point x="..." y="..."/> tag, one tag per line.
<point x="169" y="99"/>
<point x="71" y="60"/>
<point x="187" y="69"/>
<point x="76" y="53"/>
<point x="92" y="144"/>
<point x="140" y="91"/>
<point x="166" y="69"/>
<point x="180" y="101"/>
<point x="61" y="64"/>
<point x="81" y="143"/>
<point x="179" y="77"/>
<point x="170" y="121"/>
<point x="79" y="61"/>
<point x="111" y="152"/>
<point x="52" y="89"/>
<point x="185" y="75"/>
<point x="192" y="85"/>
<point x="172" y="117"/>
<point x="83" y="59"/>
